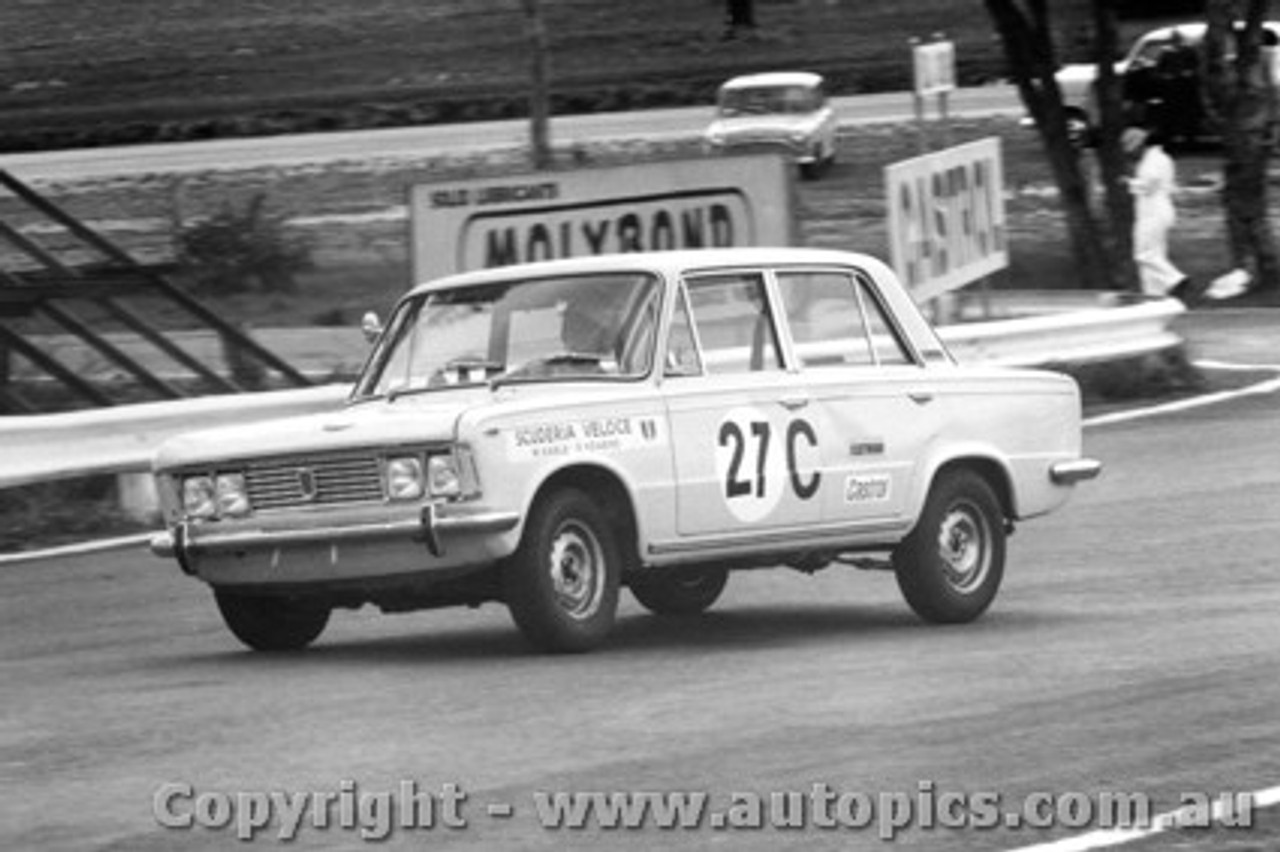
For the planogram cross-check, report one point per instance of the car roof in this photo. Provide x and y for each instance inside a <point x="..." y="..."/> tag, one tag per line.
<point x="667" y="262"/>
<point x="774" y="78"/>
<point x="1192" y="31"/>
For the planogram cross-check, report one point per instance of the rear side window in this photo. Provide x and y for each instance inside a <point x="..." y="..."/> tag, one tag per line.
<point x="837" y="321"/>
<point x="886" y="342"/>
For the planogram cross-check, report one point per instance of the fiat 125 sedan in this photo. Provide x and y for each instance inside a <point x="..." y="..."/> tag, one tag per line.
<point x="786" y="111"/>
<point x="545" y="435"/>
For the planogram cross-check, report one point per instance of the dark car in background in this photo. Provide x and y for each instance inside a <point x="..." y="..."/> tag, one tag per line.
<point x="1161" y="82"/>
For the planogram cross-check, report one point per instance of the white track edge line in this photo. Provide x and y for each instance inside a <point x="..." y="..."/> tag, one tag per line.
<point x="1264" y="387"/>
<point x="1108" y="838"/>
<point x="81" y="549"/>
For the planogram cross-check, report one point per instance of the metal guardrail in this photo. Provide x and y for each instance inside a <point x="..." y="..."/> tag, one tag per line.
<point x="1062" y="333"/>
<point x="45" y="447"/>
<point x="39" y="448"/>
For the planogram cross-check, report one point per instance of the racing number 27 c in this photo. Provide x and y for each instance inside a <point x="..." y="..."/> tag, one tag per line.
<point x="757" y="443"/>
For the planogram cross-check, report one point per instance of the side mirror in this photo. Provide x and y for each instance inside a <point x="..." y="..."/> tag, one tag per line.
<point x="370" y="326"/>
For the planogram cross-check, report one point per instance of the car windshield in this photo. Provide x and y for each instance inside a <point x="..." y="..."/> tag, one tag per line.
<point x="765" y="100"/>
<point x="1150" y="51"/>
<point x="585" y="327"/>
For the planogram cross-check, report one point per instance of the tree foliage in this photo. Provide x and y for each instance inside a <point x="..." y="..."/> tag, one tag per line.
<point x="1242" y="101"/>
<point x="1100" y="242"/>
<point x="540" y="85"/>
<point x="235" y="249"/>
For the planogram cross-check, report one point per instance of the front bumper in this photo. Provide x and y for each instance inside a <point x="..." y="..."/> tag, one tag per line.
<point x="330" y="546"/>
<point x="801" y="152"/>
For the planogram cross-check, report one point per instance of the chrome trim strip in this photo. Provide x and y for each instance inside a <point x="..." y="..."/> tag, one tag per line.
<point x="783" y="537"/>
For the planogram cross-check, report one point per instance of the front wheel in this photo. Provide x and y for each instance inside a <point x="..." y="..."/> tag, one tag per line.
<point x="561" y="584"/>
<point x="949" y="568"/>
<point x="678" y="591"/>
<point x="270" y="623"/>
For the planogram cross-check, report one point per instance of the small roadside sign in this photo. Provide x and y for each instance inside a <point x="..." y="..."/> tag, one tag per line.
<point x="935" y="67"/>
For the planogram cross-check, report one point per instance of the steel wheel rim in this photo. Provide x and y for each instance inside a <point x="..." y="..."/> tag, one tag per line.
<point x="577" y="570"/>
<point x="964" y="547"/>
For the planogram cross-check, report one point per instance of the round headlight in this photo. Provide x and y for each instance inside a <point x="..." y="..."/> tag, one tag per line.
<point x="198" y="497"/>
<point x="405" y="480"/>
<point x="232" y="499"/>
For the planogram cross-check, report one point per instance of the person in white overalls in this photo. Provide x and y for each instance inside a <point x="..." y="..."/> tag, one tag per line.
<point x="1153" y="184"/>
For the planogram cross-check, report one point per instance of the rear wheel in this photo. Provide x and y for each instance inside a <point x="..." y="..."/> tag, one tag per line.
<point x="561" y="584"/>
<point x="678" y="591"/>
<point x="950" y="567"/>
<point x="269" y="623"/>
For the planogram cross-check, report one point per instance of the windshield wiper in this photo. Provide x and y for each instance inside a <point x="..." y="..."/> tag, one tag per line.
<point x="393" y="395"/>
<point x="459" y="365"/>
<point x="530" y="370"/>
<point x="570" y="358"/>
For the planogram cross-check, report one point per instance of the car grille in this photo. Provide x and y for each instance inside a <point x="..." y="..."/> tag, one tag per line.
<point x="282" y="483"/>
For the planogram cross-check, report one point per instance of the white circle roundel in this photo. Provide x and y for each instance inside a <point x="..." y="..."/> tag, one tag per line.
<point x="750" y="463"/>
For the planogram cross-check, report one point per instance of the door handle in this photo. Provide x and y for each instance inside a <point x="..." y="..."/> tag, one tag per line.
<point x="794" y="403"/>
<point x="921" y="397"/>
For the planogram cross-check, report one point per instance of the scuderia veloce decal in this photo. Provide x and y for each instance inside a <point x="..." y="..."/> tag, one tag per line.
<point x="583" y="436"/>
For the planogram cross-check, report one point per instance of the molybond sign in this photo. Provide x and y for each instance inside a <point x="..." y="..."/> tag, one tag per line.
<point x="946" y="217"/>
<point x="477" y="224"/>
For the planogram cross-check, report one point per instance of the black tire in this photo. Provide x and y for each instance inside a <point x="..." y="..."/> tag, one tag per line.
<point x="679" y="590"/>
<point x="267" y="623"/>
<point x="950" y="567"/>
<point x="561" y="584"/>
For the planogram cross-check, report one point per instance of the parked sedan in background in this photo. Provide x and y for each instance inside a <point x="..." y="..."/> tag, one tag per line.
<point x="543" y="435"/>
<point x="783" y="111"/>
<point x="1161" y="82"/>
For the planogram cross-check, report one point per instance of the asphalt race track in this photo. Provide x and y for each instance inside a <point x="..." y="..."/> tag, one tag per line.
<point x="1133" y="648"/>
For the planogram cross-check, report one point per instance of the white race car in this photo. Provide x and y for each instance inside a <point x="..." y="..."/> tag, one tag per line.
<point x="544" y="435"/>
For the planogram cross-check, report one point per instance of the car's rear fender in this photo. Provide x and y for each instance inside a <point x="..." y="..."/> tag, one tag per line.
<point x="983" y="460"/>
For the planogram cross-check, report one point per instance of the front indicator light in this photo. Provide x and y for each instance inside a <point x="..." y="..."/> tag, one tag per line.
<point x="198" y="497"/>
<point x="405" y="479"/>
<point x="231" y="496"/>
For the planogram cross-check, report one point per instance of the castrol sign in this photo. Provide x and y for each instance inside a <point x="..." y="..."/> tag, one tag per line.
<point x="713" y="203"/>
<point x="946" y="217"/>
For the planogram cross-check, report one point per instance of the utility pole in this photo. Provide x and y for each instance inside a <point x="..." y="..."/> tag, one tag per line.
<point x="539" y="97"/>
